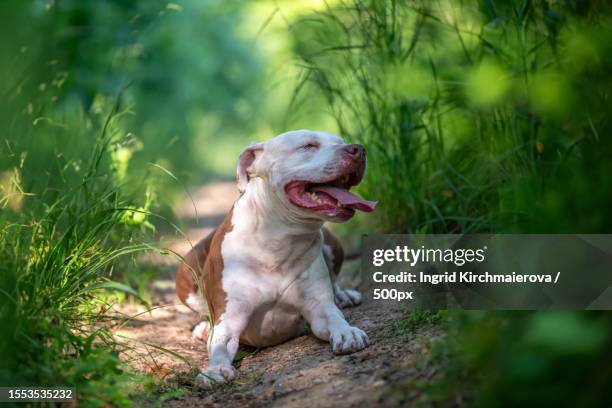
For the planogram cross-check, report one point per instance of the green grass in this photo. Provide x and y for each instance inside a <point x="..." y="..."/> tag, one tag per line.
<point x="557" y="358"/>
<point x="477" y="116"/>
<point x="415" y="320"/>
<point x="58" y="260"/>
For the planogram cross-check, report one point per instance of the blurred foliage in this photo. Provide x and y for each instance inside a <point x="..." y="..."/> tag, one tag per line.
<point x="415" y="320"/>
<point x="199" y="79"/>
<point x="509" y="359"/>
<point x="57" y="260"/>
<point x="477" y="115"/>
<point x="480" y="116"/>
<point x="185" y="74"/>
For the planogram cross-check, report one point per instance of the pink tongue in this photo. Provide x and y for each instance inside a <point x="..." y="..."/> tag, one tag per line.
<point x="347" y="198"/>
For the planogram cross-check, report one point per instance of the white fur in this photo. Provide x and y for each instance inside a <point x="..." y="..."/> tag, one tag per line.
<point x="346" y="297"/>
<point x="196" y="302"/>
<point x="274" y="270"/>
<point x="201" y="330"/>
<point x="327" y="250"/>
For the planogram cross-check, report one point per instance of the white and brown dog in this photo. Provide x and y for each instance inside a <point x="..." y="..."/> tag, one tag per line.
<point x="270" y="264"/>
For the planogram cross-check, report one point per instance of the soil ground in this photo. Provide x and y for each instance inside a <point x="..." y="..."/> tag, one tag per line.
<point x="300" y="373"/>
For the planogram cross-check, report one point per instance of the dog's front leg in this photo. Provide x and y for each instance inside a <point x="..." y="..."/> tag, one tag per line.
<point x="327" y="321"/>
<point x="223" y="344"/>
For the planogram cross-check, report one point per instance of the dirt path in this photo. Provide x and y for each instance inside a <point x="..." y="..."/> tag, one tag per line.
<point x="300" y="373"/>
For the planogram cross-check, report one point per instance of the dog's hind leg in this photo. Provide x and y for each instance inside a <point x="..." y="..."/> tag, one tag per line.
<point x="197" y="303"/>
<point x="346" y="297"/>
<point x="188" y="281"/>
<point x="334" y="257"/>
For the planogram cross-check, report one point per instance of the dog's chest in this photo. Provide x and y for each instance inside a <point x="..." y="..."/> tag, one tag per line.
<point x="276" y="309"/>
<point x="271" y="286"/>
<point x="271" y="323"/>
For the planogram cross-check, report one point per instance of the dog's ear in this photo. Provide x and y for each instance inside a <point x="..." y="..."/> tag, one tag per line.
<point x="246" y="160"/>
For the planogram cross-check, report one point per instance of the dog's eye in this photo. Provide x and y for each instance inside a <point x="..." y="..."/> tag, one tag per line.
<point x="310" y="146"/>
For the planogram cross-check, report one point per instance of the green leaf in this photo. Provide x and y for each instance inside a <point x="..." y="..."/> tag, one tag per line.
<point x="119" y="287"/>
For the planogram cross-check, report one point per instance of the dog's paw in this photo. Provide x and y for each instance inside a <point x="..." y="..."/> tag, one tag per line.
<point x="201" y="330"/>
<point x="347" y="298"/>
<point x="215" y="375"/>
<point x="348" y="340"/>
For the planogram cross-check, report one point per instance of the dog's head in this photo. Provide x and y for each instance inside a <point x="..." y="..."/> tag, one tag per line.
<point x="307" y="173"/>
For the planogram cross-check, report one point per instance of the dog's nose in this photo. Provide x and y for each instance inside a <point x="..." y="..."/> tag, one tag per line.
<point x="356" y="151"/>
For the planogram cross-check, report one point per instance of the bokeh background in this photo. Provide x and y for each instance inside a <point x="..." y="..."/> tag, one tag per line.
<point x="478" y="116"/>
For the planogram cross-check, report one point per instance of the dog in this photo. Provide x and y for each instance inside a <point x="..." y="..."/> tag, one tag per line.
<point x="271" y="264"/>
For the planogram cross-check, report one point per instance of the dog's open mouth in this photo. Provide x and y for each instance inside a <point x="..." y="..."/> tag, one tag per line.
<point x="331" y="197"/>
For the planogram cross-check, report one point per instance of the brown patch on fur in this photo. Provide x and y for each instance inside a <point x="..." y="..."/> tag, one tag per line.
<point x="206" y="261"/>
<point x="194" y="264"/>
<point x="213" y="271"/>
<point x="334" y="264"/>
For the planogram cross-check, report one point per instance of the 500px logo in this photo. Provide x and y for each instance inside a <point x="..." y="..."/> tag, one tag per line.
<point x="391" y="294"/>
